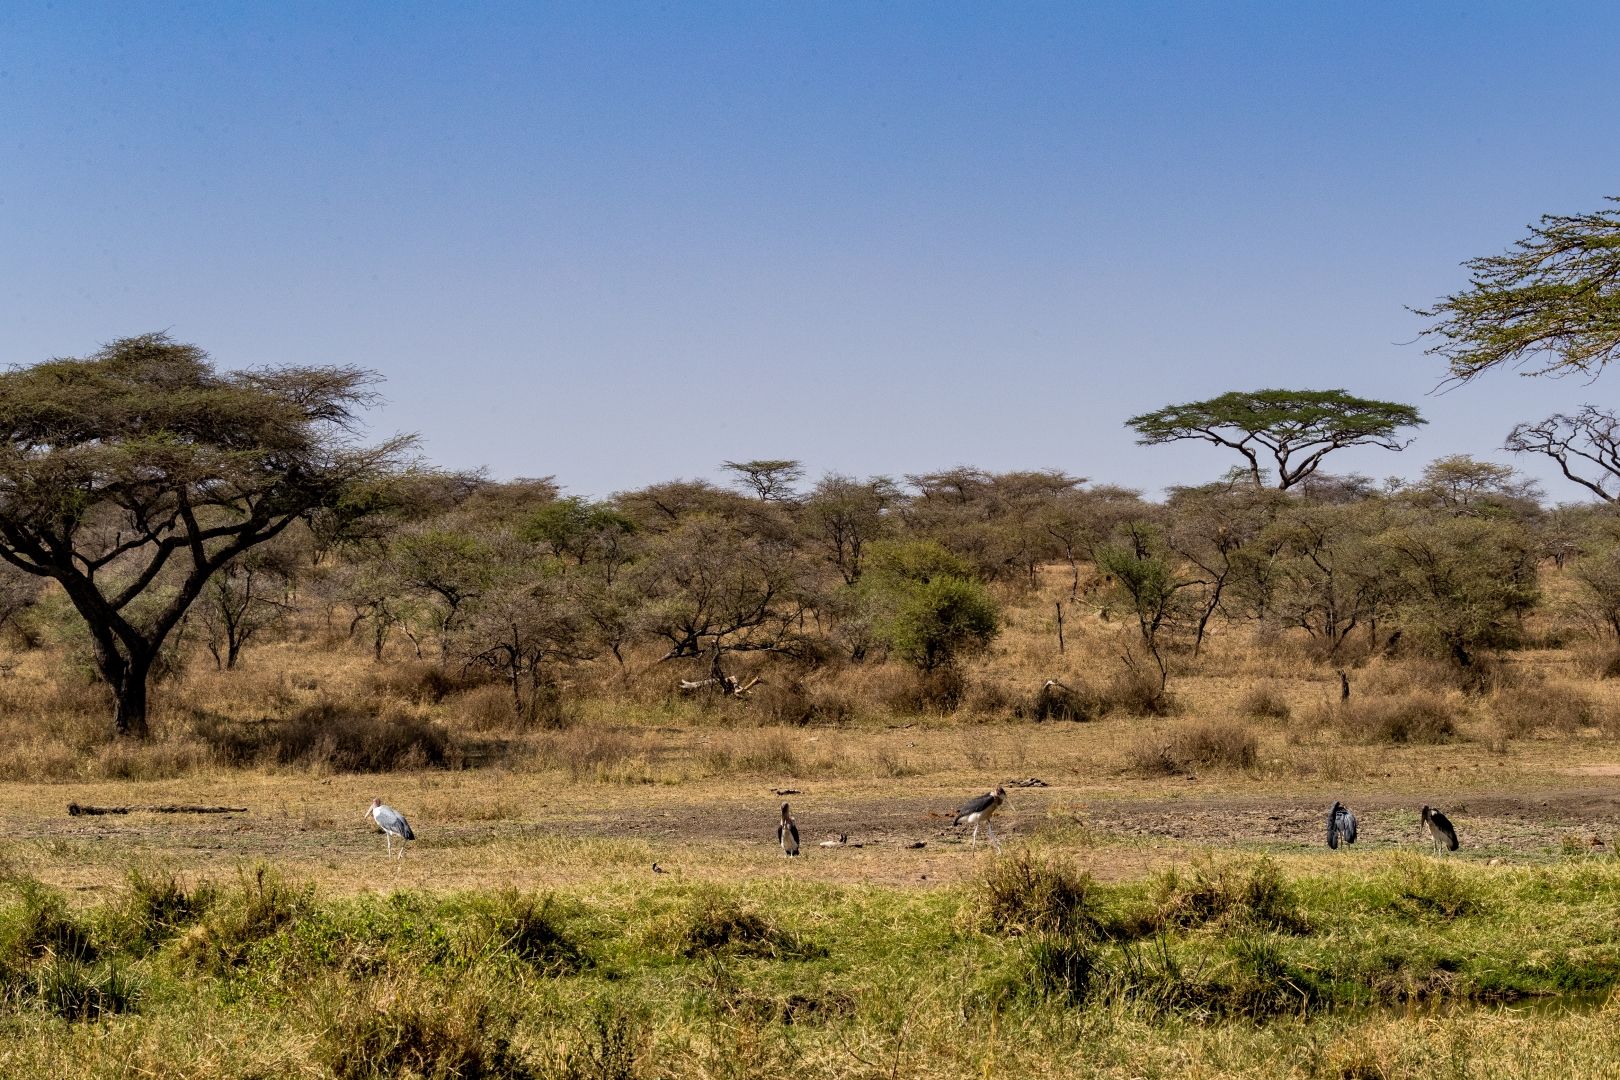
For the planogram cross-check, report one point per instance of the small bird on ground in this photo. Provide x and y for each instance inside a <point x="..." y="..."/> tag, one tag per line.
<point x="1440" y="830"/>
<point x="1341" y="825"/>
<point x="787" y="834"/>
<point x="981" y="810"/>
<point x="392" y="823"/>
<point x="659" y="869"/>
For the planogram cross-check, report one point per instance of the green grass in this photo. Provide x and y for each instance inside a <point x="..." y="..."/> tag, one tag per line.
<point x="1396" y="966"/>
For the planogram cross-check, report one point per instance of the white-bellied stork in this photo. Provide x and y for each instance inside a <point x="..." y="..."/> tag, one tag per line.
<point x="1440" y="830"/>
<point x="1341" y="825"/>
<point x="787" y="834"/>
<point x="981" y="810"/>
<point x="392" y="823"/>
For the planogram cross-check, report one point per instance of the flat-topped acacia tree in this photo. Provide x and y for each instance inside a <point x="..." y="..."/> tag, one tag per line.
<point x="132" y="475"/>
<point x="1297" y="428"/>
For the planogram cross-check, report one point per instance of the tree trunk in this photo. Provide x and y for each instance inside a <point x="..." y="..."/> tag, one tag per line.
<point x="130" y="717"/>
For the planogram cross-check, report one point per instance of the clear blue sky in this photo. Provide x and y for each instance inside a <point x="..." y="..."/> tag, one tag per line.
<point x="620" y="243"/>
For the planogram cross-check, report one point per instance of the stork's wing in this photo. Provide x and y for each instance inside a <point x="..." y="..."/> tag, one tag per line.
<point x="977" y="806"/>
<point x="1347" y="825"/>
<point x="393" y="821"/>
<point x="1443" y="823"/>
<point x="1333" y="833"/>
<point x="793" y="831"/>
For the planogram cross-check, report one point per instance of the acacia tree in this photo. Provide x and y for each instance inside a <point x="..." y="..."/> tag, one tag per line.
<point x="1297" y="428"/>
<point x="1553" y="297"/>
<point x="140" y="471"/>
<point x="1588" y="441"/>
<point x="845" y="516"/>
<point x="246" y="595"/>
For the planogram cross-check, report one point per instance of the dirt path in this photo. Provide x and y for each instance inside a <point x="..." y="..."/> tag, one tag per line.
<point x="1488" y="822"/>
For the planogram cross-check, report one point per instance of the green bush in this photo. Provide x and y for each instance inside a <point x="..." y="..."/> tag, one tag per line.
<point x="942" y="620"/>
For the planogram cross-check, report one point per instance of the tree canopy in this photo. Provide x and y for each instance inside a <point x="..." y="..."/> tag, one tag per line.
<point x="1553" y="298"/>
<point x="1297" y="428"/>
<point x="138" y="472"/>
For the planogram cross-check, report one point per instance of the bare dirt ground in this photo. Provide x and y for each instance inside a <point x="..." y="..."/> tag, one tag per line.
<point x="483" y="829"/>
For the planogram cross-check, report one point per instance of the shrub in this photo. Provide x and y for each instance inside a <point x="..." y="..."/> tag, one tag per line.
<point x="940" y="620"/>
<point x="260" y="906"/>
<point x="1423" y="719"/>
<point x="155" y="908"/>
<point x="1060" y="966"/>
<point x="1224" y="894"/>
<point x="1221" y="743"/>
<point x="1264" y="702"/>
<point x="1520" y="713"/>
<point x="328" y="734"/>
<point x="40" y="925"/>
<point x="714" y="924"/>
<point x="1426" y="887"/>
<point x="1025" y="894"/>
<point x="586" y="752"/>
<point x="940" y="690"/>
<point x="1209" y="744"/>
<point x="74" y="990"/>
<point x="415" y="1029"/>
<point x="525" y="926"/>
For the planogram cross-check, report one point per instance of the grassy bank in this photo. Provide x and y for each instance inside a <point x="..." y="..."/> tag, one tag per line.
<point x="1389" y="966"/>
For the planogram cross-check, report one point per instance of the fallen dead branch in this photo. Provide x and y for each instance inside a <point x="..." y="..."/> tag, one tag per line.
<point x="75" y="810"/>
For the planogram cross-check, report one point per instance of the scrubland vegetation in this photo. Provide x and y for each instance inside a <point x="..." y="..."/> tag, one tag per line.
<point x="210" y="588"/>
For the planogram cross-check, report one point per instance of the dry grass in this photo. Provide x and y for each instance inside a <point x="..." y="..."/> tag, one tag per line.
<point x="1208" y="744"/>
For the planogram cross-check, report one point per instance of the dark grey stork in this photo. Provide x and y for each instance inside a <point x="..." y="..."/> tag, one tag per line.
<point x="981" y="810"/>
<point x="1440" y="830"/>
<point x="392" y="823"/>
<point x="1341" y="825"/>
<point x="787" y="834"/>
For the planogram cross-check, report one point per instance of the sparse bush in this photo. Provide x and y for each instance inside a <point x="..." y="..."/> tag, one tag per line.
<point x="586" y="753"/>
<point x="260" y="905"/>
<point x="1427" y="887"/>
<point x="1563" y="709"/>
<point x="937" y="691"/>
<point x="1060" y="966"/>
<point x="328" y="734"/>
<point x="1422" y="719"/>
<point x="156" y="907"/>
<point x="1209" y="744"/>
<point x="1024" y="893"/>
<point x="74" y="990"/>
<point x="1224" y="894"/>
<point x="415" y="1028"/>
<point x="1265" y="702"/>
<point x="1217" y="743"/>
<point x="525" y="926"/>
<point x="714" y="923"/>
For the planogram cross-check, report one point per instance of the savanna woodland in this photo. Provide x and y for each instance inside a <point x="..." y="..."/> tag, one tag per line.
<point x="231" y="618"/>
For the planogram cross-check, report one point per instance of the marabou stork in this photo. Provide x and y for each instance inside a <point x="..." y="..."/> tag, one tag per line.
<point x="1440" y="830"/>
<point x="981" y="810"/>
<point x="1341" y="825"/>
<point x="392" y="823"/>
<point x="787" y="834"/>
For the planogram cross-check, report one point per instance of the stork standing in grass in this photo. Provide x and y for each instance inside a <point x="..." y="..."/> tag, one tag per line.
<point x="392" y="823"/>
<point x="1341" y="825"/>
<point x="1440" y="830"/>
<point x="980" y="811"/>
<point x="787" y="834"/>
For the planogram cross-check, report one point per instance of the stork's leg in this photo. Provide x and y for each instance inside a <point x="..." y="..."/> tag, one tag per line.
<point x="975" y="839"/>
<point x="993" y="840"/>
<point x="388" y="839"/>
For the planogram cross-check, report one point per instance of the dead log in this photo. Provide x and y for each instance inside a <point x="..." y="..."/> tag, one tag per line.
<point x="76" y="810"/>
<point x="727" y="685"/>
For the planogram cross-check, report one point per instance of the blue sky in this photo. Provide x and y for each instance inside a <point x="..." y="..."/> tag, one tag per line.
<point x="621" y="243"/>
